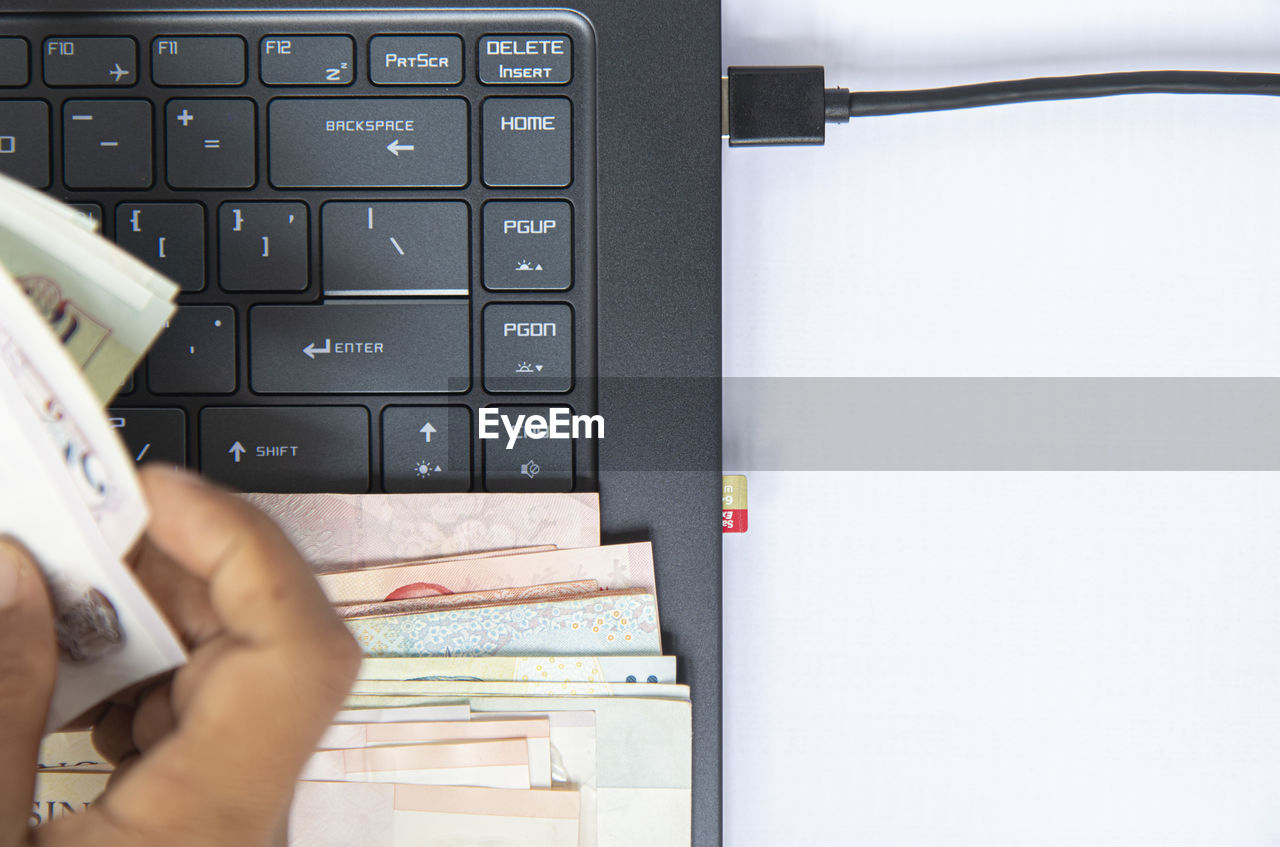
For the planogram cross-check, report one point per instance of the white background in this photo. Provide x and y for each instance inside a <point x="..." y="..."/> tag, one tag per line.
<point x="1011" y="658"/>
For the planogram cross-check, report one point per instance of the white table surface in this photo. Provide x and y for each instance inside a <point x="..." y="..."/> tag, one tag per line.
<point x="1012" y="658"/>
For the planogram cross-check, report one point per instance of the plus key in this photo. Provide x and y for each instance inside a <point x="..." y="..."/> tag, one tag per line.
<point x="211" y="143"/>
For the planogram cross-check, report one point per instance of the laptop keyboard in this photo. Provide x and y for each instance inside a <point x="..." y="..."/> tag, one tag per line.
<point x="381" y="223"/>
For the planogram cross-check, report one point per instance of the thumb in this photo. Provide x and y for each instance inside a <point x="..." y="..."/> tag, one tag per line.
<point x="28" y="663"/>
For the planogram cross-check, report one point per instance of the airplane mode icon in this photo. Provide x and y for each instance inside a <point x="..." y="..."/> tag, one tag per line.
<point x="118" y="72"/>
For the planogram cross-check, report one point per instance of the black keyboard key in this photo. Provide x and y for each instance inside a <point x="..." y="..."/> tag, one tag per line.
<point x="107" y="143"/>
<point x="90" y="210"/>
<point x="358" y="348"/>
<point x="211" y="143"/>
<point x="388" y="142"/>
<point x="528" y="141"/>
<point x="426" y="448"/>
<point x="533" y="463"/>
<point x="24" y="141"/>
<point x="294" y="448"/>
<point x="82" y="61"/>
<point x="528" y="347"/>
<point x="196" y="353"/>
<point x="263" y="246"/>
<point x="15" y="68"/>
<point x="405" y="249"/>
<point x="198" y="60"/>
<point x="167" y="236"/>
<point x="528" y="245"/>
<point x="152" y="435"/>
<point x="415" y="60"/>
<point x="308" y="60"/>
<point x="526" y="59"/>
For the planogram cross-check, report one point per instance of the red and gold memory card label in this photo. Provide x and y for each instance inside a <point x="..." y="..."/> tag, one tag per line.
<point x="733" y="517"/>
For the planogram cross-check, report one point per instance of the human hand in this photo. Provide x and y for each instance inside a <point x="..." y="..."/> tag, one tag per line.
<point x="210" y="756"/>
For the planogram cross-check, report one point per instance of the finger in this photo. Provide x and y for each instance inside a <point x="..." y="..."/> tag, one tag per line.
<point x="260" y="588"/>
<point x="28" y="662"/>
<point x="155" y="718"/>
<point x="182" y="596"/>
<point x="113" y="734"/>
<point x="259" y="703"/>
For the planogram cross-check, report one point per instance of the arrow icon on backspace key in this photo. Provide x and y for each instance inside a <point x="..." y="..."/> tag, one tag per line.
<point x="311" y="349"/>
<point x="238" y="450"/>
<point x="396" y="147"/>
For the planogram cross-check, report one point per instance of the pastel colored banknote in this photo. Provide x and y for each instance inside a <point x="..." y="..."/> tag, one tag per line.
<point x="71" y="496"/>
<point x="444" y="709"/>
<point x="439" y="602"/>
<point x="609" y="623"/>
<point x="486" y="763"/>
<point x="71" y="751"/>
<point x="416" y="688"/>
<point x="660" y="669"/>
<point x="103" y="305"/>
<point x="343" y="531"/>
<point x="573" y="751"/>
<point x="348" y="814"/>
<point x="643" y="765"/>
<point x="535" y="731"/>
<point x="614" y="567"/>
<point x="65" y="792"/>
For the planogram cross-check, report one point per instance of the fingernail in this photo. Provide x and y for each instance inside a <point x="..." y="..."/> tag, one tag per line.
<point x="10" y="567"/>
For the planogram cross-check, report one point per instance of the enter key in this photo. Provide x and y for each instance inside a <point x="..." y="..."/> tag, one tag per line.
<point x="360" y="348"/>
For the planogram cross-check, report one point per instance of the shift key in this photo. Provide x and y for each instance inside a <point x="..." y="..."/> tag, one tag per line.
<point x="286" y="448"/>
<point x="360" y="348"/>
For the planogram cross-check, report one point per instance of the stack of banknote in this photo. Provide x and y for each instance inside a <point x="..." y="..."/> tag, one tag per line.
<point x="75" y="316"/>
<point x="515" y="690"/>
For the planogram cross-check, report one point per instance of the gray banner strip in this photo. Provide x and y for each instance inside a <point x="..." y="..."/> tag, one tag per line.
<point x="1124" y="424"/>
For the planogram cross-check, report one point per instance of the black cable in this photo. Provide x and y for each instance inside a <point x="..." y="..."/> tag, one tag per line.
<point x="870" y="103"/>
<point x="791" y="105"/>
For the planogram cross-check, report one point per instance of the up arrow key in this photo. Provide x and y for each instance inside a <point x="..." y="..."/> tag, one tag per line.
<point x="237" y="450"/>
<point x="395" y="147"/>
<point x="428" y="431"/>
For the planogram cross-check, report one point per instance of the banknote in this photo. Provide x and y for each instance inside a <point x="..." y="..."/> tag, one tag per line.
<point x="344" y="531"/>
<point x="615" y="567"/>
<point x="525" y="668"/>
<point x="64" y="792"/>
<point x="535" y="731"/>
<point x="643" y="763"/>
<point x="109" y="634"/>
<point x="438" y="602"/>
<point x="486" y="763"/>
<point x="415" y="688"/>
<point x="105" y="306"/>
<point x="101" y="474"/>
<point x="609" y="623"/>
<point x="643" y="759"/>
<point x="71" y="751"/>
<point x="345" y="814"/>
<point x="444" y="709"/>
<point x="573" y="745"/>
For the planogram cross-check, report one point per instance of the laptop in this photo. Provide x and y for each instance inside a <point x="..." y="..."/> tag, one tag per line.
<point x="387" y="221"/>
